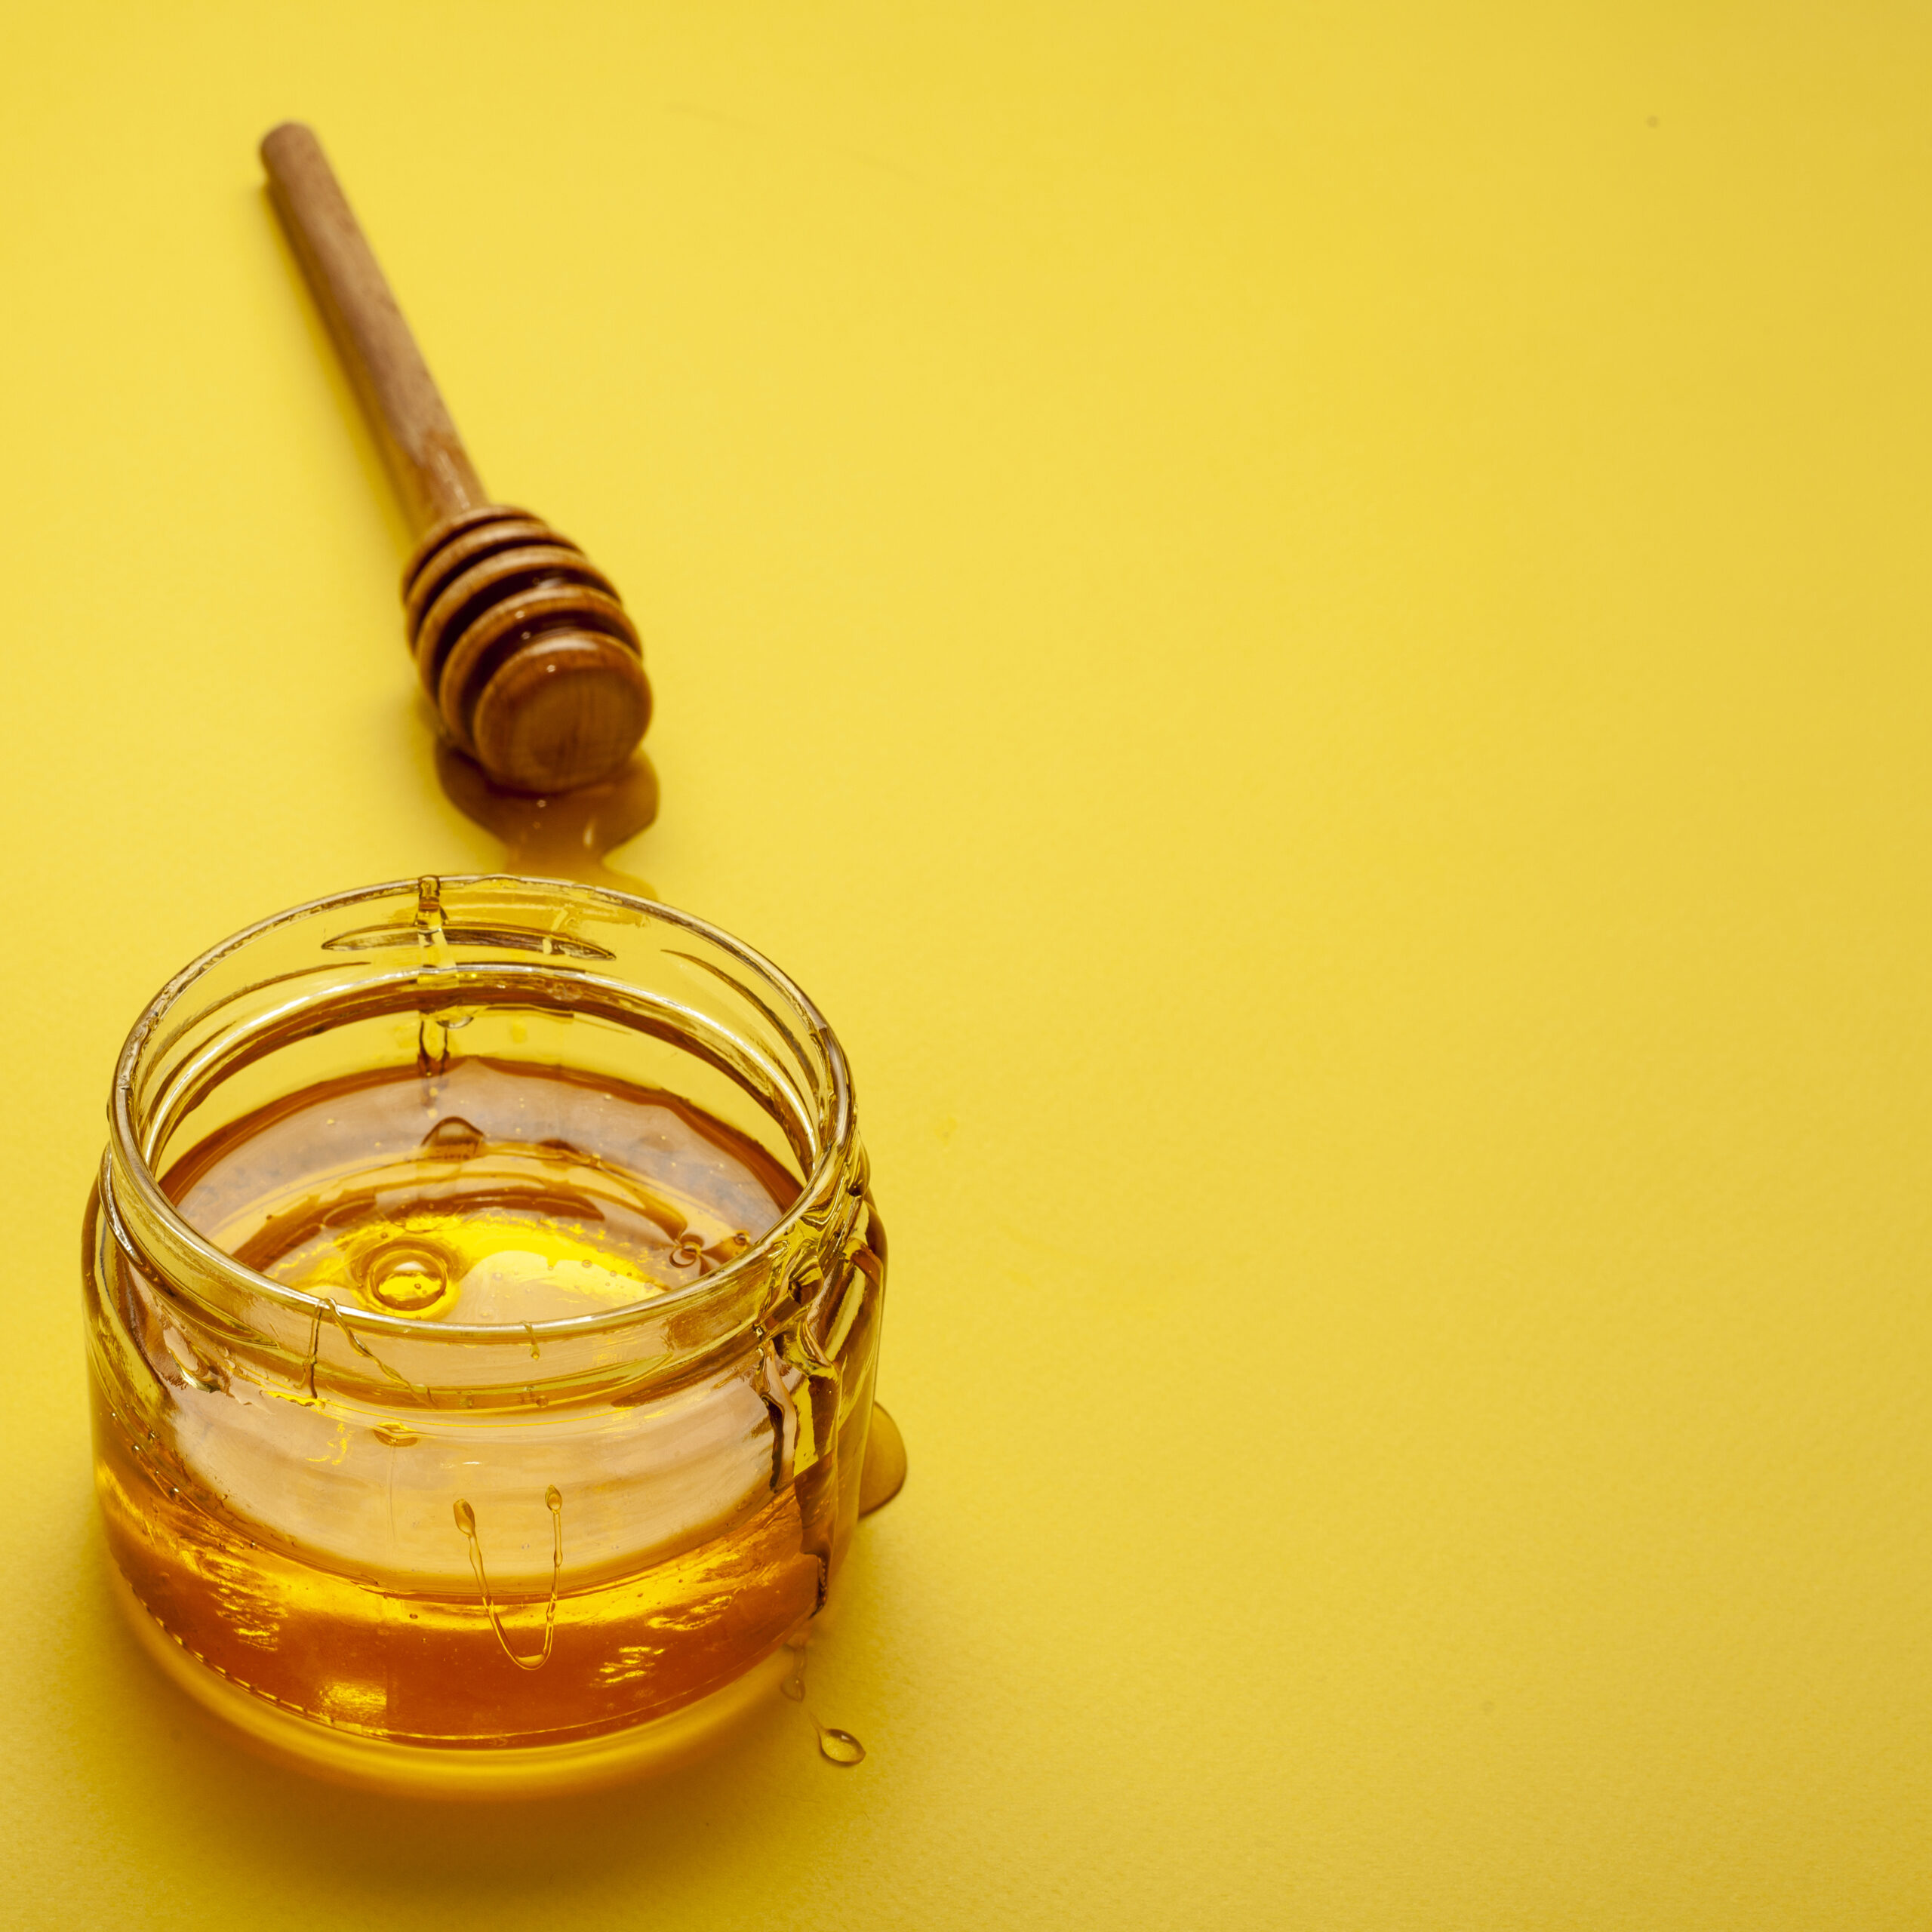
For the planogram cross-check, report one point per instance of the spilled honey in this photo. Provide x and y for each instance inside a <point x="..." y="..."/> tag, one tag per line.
<point x="885" y="1464"/>
<point x="836" y="1746"/>
<point x="565" y="834"/>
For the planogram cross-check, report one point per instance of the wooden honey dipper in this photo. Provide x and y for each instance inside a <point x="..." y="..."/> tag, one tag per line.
<point x="523" y="646"/>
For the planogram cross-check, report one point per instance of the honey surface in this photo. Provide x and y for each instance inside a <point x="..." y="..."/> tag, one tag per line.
<point x="494" y="1193"/>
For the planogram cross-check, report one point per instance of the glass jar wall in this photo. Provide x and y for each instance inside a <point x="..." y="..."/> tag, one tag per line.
<point x="483" y="1292"/>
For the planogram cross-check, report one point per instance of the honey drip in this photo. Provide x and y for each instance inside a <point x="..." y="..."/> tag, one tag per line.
<point x="883" y="1473"/>
<point x="465" y="1522"/>
<point x="836" y="1746"/>
<point x="566" y="834"/>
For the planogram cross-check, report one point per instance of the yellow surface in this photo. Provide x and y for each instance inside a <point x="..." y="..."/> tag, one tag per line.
<point x="1309" y="625"/>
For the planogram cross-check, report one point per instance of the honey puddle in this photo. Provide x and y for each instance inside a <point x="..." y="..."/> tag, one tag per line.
<point x="564" y="835"/>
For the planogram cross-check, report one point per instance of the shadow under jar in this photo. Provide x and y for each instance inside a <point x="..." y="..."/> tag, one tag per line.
<point x="483" y="1296"/>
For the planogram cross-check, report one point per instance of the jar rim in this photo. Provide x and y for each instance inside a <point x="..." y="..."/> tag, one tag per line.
<point x="154" y="1203"/>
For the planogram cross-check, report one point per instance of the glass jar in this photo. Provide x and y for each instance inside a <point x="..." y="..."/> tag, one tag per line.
<point x="520" y="1452"/>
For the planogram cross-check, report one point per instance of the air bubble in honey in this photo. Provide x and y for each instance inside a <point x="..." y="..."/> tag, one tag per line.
<point x="408" y="1277"/>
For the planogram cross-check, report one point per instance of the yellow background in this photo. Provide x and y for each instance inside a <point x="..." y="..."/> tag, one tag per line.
<point x="1309" y="625"/>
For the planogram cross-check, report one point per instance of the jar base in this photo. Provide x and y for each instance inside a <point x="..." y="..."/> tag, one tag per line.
<point x="508" y="1772"/>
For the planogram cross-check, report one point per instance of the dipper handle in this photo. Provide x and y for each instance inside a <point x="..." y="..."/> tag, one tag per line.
<point x="433" y="470"/>
<point x="523" y="646"/>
